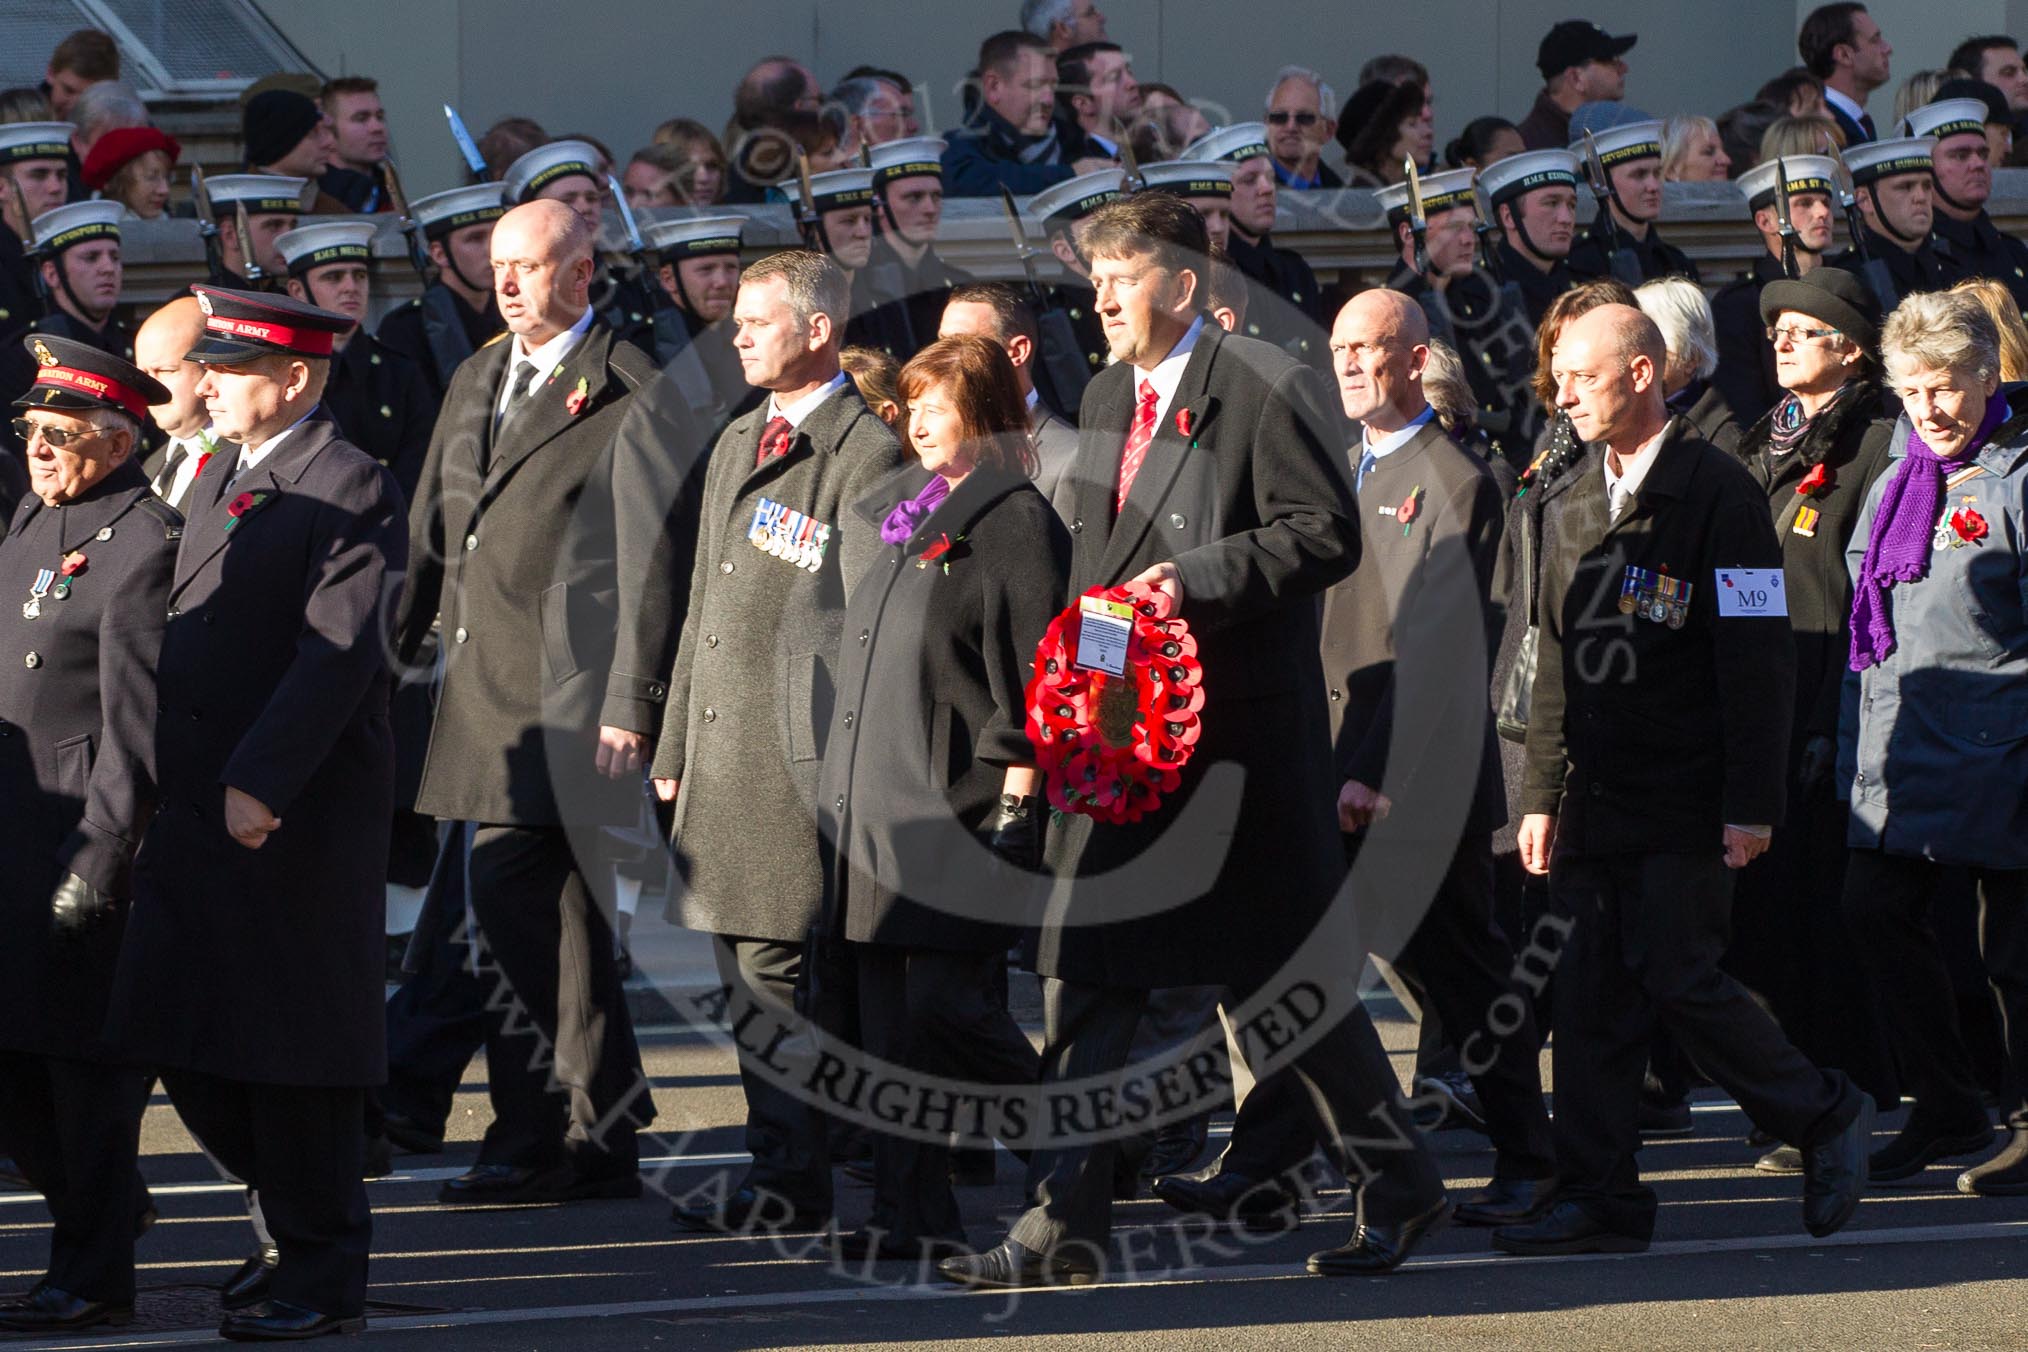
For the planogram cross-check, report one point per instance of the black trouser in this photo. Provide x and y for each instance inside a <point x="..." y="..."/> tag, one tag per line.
<point x="562" y="1067"/>
<point x="1643" y="952"/>
<point x="437" y="1020"/>
<point x="1174" y="1018"/>
<point x="935" y="1014"/>
<point x="1353" y="1102"/>
<point x="1459" y="965"/>
<point x="74" y="1130"/>
<point x="301" y="1149"/>
<point x="1889" y="899"/>
<point x="788" y="1138"/>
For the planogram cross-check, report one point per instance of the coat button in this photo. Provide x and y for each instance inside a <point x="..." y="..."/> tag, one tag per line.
<point x="848" y="718"/>
<point x="461" y="634"/>
<point x="471" y="543"/>
<point x="1076" y="525"/>
<point x="1596" y="790"/>
<point x="841" y="803"/>
<point x="711" y="640"/>
<point x="1176" y="520"/>
<point x="864" y="634"/>
<point x="711" y="715"/>
<point x="725" y="567"/>
<point x="1861" y="777"/>
<point x="196" y="715"/>
<point x="656" y="692"/>
<point x="1337" y="695"/>
<point x="386" y="412"/>
<point x="173" y="614"/>
<point x="33" y="660"/>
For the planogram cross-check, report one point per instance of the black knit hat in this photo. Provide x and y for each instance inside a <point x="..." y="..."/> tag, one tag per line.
<point x="1833" y="295"/>
<point x="275" y="122"/>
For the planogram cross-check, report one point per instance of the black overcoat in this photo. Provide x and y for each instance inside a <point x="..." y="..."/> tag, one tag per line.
<point x="932" y="707"/>
<point x="1256" y="513"/>
<point x="268" y="965"/>
<point x="383" y="404"/>
<point x="512" y="538"/>
<point x="77" y="743"/>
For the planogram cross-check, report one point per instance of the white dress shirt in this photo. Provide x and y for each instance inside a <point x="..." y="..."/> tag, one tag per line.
<point x="545" y="358"/>
<point x="1621" y="487"/>
<point x="1168" y="372"/>
<point x="193" y="450"/>
<point x="807" y="405"/>
<point x="249" y="456"/>
<point x="1839" y="100"/>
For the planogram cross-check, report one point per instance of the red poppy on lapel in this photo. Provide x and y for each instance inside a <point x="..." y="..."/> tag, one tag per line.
<point x="1820" y="477"/>
<point x="1411" y="507"/>
<point x="1968" y="524"/>
<point x="1183" y="421"/>
<point x="73" y="563"/>
<point x="203" y="460"/>
<point x="237" y="509"/>
<point x="574" y="402"/>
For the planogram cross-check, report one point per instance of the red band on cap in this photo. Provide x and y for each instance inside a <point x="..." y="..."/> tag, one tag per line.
<point x="98" y="387"/>
<point x="307" y="342"/>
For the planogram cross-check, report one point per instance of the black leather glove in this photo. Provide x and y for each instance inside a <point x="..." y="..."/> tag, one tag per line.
<point x="1014" y="831"/>
<point x="1820" y="757"/>
<point x="78" y="911"/>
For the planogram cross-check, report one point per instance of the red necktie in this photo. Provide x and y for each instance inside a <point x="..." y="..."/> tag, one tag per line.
<point x="1138" y="438"/>
<point x="775" y="438"/>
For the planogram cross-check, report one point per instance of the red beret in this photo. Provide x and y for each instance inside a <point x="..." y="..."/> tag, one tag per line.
<point x="120" y="147"/>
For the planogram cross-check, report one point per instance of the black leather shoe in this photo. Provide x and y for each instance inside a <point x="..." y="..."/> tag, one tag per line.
<point x="1448" y="1102"/>
<point x="861" y="1246"/>
<point x="1834" y="1174"/>
<point x="49" y="1310"/>
<point x="499" y="1185"/>
<point x="1656" y="1118"/>
<point x="1012" y="1266"/>
<point x="1783" y="1159"/>
<point x="1177" y="1147"/>
<point x="277" y="1321"/>
<point x="1566" y="1228"/>
<point x="410" y="1138"/>
<point x="249" y="1285"/>
<point x="1230" y="1197"/>
<point x="1918" y="1147"/>
<point x="1507" y="1201"/>
<point x="1380" y="1248"/>
<point x="749" y="1211"/>
<point x="2004" y="1175"/>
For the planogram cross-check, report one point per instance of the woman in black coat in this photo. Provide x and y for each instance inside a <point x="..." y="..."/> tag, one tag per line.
<point x="1815" y="453"/>
<point x="928" y="748"/>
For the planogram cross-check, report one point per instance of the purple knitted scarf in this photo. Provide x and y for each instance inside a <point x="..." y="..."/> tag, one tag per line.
<point x="1898" y="548"/>
<point x="912" y="512"/>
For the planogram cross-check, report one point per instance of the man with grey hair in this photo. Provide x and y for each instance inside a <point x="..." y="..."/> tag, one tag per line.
<point x="1655" y="769"/>
<point x="1063" y="24"/>
<point x="877" y="107"/>
<point x="748" y="704"/>
<point x="1302" y="117"/>
<point x="101" y="108"/>
<point x="1690" y="337"/>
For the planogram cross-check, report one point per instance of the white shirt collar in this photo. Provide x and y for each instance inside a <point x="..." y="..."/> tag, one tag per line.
<point x="1390" y="442"/>
<point x="545" y="358"/>
<point x="249" y="456"/>
<point x="194" y="449"/>
<point x="1633" y="473"/>
<point x="807" y="405"/>
<point x="1168" y="372"/>
<point x="1844" y="102"/>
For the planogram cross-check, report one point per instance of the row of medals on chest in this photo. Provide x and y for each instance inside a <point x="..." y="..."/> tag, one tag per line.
<point x="54" y="583"/>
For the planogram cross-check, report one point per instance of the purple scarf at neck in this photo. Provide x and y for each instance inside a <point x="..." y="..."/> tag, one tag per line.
<point x="912" y="512"/>
<point x="1898" y="548"/>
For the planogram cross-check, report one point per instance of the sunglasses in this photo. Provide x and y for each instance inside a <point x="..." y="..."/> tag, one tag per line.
<point x="54" y="437"/>
<point x="1303" y="119"/>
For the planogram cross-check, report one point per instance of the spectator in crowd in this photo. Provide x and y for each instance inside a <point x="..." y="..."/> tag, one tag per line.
<point x="81" y="60"/>
<point x="287" y="135"/>
<point x="1580" y="63"/>
<point x="1931" y="748"/>
<point x="999" y="312"/>
<point x="775" y="87"/>
<point x="1692" y="151"/>
<point x="701" y="178"/>
<point x="1740" y="130"/>
<point x="507" y="141"/>
<point x="1997" y="61"/>
<point x="1097" y="98"/>
<point x="603" y="167"/>
<point x="1799" y="136"/>
<point x="1394" y="68"/>
<point x="1796" y="92"/>
<point x="879" y="109"/>
<point x="906" y="123"/>
<point x="651" y="177"/>
<point x="1166" y="125"/>
<point x="1690" y="342"/>
<point x="1063" y="24"/>
<point x="1919" y="89"/>
<point x="1841" y="45"/>
<point x="2005" y="312"/>
<point x="359" y="146"/>
<point x="873" y="373"/>
<point x="1789" y="943"/>
<point x="1383" y="127"/>
<point x="1010" y="140"/>
<point x="1484" y="142"/>
<point x="1302" y="114"/>
<point x="101" y="108"/>
<point x="130" y="165"/>
<point x="22" y="104"/>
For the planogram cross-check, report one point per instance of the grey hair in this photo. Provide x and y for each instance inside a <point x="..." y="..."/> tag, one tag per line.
<point x="815" y="283"/>
<point x="1039" y="16"/>
<point x="1941" y="331"/>
<point x="106" y="105"/>
<point x="1683" y="315"/>
<point x="1327" y="98"/>
<point x="1448" y="391"/>
<point x="855" y="96"/>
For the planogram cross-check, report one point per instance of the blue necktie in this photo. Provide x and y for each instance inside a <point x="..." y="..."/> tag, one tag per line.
<point x="1366" y="464"/>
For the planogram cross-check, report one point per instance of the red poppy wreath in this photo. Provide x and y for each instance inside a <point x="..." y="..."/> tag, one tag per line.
<point x="1111" y="747"/>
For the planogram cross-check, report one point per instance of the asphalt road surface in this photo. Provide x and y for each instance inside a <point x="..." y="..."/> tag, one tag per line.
<point x="1919" y="1267"/>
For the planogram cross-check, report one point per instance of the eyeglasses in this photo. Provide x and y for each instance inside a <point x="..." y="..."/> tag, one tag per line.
<point x="54" y="437"/>
<point x="1303" y="119"/>
<point x="1798" y="336"/>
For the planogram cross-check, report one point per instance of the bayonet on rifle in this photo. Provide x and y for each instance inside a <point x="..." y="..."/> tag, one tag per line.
<point x="1418" y="220"/>
<point x="466" y="145"/>
<point x="1784" y="220"/>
